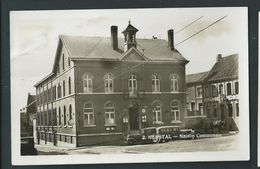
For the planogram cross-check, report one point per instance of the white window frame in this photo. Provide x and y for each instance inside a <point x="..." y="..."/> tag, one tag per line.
<point x="157" y="113"/>
<point x="87" y="112"/>
<point x="155" y="83"/>
<point x="87" y="83"/>
<point x="109" y="80"/>
<point x="199" y="95"/>
<point x="132" y="84"/>
<point x="175" y="111"/>
<point x="109" y="120"/>
<point x="174" y="83"/>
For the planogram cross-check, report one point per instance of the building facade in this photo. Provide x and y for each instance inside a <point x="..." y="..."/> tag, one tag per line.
<point x="103" y="88"/>
<point x="221" y="92"/>
<point x="213" y="96"/>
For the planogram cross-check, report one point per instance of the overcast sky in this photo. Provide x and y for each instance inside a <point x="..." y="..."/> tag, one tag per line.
<point x="34" y="37"/>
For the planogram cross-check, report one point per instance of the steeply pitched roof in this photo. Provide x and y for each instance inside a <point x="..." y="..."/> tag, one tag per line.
<point x="226" y="68"/>
<point x="130" y="28"/>
<point x="100" y="48"/>
<point x="196" y="77"/>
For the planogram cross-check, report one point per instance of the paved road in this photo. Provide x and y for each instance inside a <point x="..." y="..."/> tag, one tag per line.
<point x="206" y="144"/>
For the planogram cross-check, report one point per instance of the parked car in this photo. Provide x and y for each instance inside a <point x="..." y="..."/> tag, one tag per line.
<point x="143" y="136"/>
<point x="167" y="133"/>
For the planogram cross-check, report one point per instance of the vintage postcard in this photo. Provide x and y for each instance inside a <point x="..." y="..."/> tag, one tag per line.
<point x="129" y="85"/>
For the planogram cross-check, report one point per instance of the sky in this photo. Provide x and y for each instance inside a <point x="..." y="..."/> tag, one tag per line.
<point x="34" y="37"/>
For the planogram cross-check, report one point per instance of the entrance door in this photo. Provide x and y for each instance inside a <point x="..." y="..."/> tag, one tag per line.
<point x="133" y="118"/>
<point x="222" y="112"/>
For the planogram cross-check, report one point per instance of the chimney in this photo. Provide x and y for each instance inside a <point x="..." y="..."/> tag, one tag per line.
<point x="114" y="39"/>
<point x="219" y="57"/>
<point x="170" y="39"/>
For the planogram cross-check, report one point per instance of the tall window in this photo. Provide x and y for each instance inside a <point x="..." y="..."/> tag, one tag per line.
<point x="63" y="64"/>
<point x="69" y="85"/>
<point x="109" y="113"/>
<point x="54" y="117"/>
<point x="70" y="112"/>
<point x="64" y="116"/>
<point x="59" y="90"/>
<point x="155" y="83"/>
<point x="192" y="106"/>
<point x="87" y="83"/>
<point x="54" y="93"/>
<point x="199" y="92"/>
<point x="174" y="83"/>
<point x="132" y="84"/>
<point x="68" y="61"/>
<point x="215" y="111"/>
<point x="157" y="112"/>
<point x="175" y="111"/>
<point x="59" y="117"/>
<point x="214" y="91"/>
<point x="200" y="105"/>
<point x="49" y="118"/>
<point x="88" y="114"/>
<point x="64" y="89"/>
<point x="237" y="109"/>
<point x="207" y="91"/>
<point x="220" y="88"/>
<point x="230" y="110"/>
<point x="236" y="88"/>
<point x="109" y="86"/>
<point x="229" y="89"/>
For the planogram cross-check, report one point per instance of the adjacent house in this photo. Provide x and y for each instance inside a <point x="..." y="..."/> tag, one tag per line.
<point x="103" y="88"/>
<point x="213" y="97"/>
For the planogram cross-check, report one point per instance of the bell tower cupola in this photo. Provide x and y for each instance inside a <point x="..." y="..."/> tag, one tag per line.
<point x="130" y="36"/>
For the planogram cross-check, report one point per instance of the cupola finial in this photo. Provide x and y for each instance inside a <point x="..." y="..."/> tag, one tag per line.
<point x="129" y="22"/>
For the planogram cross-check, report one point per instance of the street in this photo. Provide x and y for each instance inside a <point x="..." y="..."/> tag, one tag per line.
<point x="222" y="143"/>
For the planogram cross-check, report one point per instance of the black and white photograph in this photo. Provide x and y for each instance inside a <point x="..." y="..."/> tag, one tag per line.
<point x="129" y="85"/>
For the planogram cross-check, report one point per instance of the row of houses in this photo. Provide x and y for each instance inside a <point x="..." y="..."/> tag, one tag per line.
<point x="101" y="89"/>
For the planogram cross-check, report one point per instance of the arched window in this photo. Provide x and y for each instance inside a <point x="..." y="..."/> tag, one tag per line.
<point x="109" y="113"/>
<point x="174" y="83"/>
<point x="69" y="85"/>
<point x="64" y="116"/>
<point x="59" y="117"/>
<point x="157" y="112"/>
<point x="64" y="89"/>
<point x="132" y="84"/>
<point x="109" y="85"/>
<point x="155" y="83"/>
<point x="175" y="111"/>
<point x="88" y="114"/>
<point x="87" y="83"/>
<point x="70" y="112"/>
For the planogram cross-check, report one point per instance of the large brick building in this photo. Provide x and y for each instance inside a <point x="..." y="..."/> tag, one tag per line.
<point x="102" y="88"/>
